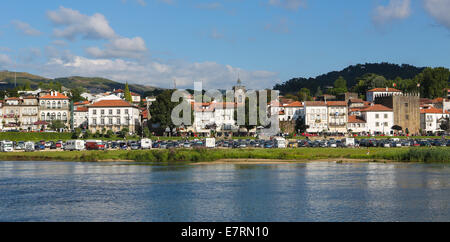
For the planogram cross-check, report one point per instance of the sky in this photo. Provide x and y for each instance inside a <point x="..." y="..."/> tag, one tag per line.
<point x="264" y="42"/>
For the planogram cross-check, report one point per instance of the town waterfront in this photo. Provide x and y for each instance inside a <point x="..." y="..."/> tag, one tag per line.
<point x="315" y="191"/>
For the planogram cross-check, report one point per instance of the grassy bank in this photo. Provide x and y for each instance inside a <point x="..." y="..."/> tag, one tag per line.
<point x="434" y="154"/>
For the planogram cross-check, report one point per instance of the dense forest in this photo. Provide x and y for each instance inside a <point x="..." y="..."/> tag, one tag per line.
<point x="351" y="74"/>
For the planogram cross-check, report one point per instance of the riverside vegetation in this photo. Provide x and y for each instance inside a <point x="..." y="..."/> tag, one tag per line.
<point x="427" y="155"/>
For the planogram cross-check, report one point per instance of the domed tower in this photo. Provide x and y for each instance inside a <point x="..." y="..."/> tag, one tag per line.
<point x="239" y="92"/>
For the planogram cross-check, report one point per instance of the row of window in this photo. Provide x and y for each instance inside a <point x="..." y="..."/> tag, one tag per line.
<point x="377" y="124"/>
<point x="110" y="121"/>
<point x="110" y="111"/>
<point x="378" y="115"/>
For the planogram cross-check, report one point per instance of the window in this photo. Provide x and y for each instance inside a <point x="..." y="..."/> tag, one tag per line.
<point x="385" y="124"/>
<point x="110" y="112"/>
<point x="118" y="121"/>
<point x="102" y="111"/>
<point x="118" y="111"/>
<point x="102" y="121"/>
<point x="377" y="116"/>
<point x="126" y="111"/>
<point x="94" y="111"/>
<point x="110" y="120"/>
<point x="94" y="121"/>
<point x="406" y="105"/>
<point x="407" y="117"/>
<point x="377" y="124"/>
<point x="385" y="115"/>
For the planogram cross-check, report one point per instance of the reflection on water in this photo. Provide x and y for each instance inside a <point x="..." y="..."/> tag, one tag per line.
<point x="64" y="191"/>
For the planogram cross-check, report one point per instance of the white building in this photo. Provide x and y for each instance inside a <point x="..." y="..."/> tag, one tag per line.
<point x="431" y="119"/>
<point x="80" y="117"/>
<point x="337" y="116"/>
<point x="294" y="111"/>
<point x="217" y="116"/>
<point x="373" y="93"/>
<point x="113" y="114"/>
<point x="20" y="113"/>
<point x="54" y="106"/>
<point x="316" y="116"/>
<point x="356" y="125"/>
<point x="379" y="119"/>
<point x="135" y="98"/>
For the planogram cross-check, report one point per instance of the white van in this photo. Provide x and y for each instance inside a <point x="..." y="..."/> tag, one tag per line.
<point x="280" y="142"/>
<point x="75" y="145"/>
<point x="210" y="142"/>
<point x="29" y="146"/>
<point x="6" y="146"/>
<point x="146" y="144"/>
<point x="349" y="142"/>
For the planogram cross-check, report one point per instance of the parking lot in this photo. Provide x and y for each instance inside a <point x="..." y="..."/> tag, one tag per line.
<point x="221" y="144"/>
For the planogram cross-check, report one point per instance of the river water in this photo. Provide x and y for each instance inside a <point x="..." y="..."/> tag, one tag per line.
<point x="322" y="191"/>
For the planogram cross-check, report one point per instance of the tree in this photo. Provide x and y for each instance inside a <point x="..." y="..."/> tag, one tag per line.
<point x="127" y="93"/>
<point x="75" y="94"/>
<point x="109" y="134"/>
<point x="124" y="132"/>
<point x="300" y="125"/>
<point x="57" y="125"/>
<point x="304" y="95"/>
<point x="318" y="92"/>
<point x="445" y="124"/>
<point x="146" y="132"/>
<point x="87" y="134"/>
<point x="434" y="82"/>
<point x="76" y="133"/>
<point x="161" y="110"/>
<point x="27" y="86"/>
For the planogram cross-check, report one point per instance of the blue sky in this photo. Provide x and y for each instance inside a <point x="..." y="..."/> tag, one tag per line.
<point x="153" y="42"/>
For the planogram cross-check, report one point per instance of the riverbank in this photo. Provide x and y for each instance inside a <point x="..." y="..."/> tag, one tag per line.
<point x="428" y="155"/>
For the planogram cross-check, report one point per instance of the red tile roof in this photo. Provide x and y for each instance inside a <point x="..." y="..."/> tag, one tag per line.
<point x="377" y="108"/>
<point x="438" y="100"/>
<point x="81" y="109"/>
<point x="384" y="90"/>
<point x="81" y="103"/>
<point x="315" y="103"/>
<point x="294" y="104"/>
<point x="57" y="96"/>
<point x="111" y="103"/>
<point x="433" y="110"/>
<point x="145" y="114"/>
<point x="336" y="103"/>
<point x="355" y="119"/>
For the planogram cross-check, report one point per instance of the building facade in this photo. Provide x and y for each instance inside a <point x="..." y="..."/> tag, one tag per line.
<point x="113" y="114"/>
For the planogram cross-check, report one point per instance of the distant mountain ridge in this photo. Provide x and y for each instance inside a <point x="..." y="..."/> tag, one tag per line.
<point x="351" y="74"/>
<point x="92" y="84"/>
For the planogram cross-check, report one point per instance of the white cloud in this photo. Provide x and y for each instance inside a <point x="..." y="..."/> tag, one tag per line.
<point x="280" y="26"/>
<point x="4" y="60"/>
<point x="288" y="4"/>
<point x="395" y="10"/>
<point x="210" y="6"/>
<point x="120" y="47"/>
<point x="142" y="3"/>
<point x="157" y="73"/>
<point x="26" y="28"/>
<point x="439" y="10"/>
<point x="75" y="24"/>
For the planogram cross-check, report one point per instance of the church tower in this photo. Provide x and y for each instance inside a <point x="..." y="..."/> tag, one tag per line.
<point x="239" y="92"/>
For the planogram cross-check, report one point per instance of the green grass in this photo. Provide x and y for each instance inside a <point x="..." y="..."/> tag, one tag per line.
<point x="433" y="155"/>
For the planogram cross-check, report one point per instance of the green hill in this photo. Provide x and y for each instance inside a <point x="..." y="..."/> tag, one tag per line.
<point x="351" y="74"/>
<point x="92" y="84"/>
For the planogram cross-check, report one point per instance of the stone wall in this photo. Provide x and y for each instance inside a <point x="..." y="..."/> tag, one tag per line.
<point x="406" y="108"/>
